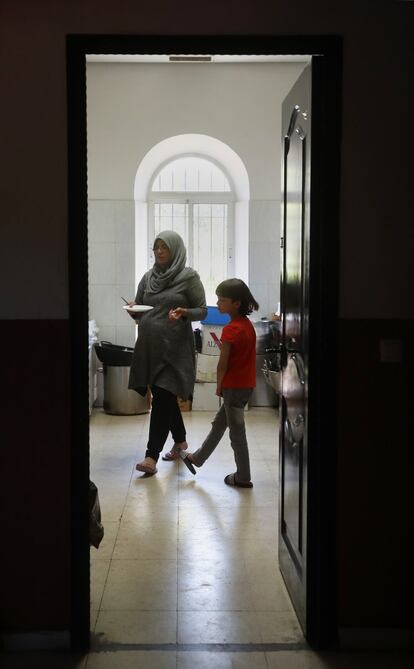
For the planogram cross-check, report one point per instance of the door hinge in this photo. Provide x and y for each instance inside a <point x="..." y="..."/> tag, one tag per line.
<point x="282" y="243"/>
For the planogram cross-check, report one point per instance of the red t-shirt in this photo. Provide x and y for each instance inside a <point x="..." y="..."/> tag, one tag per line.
<point x="241" y="370"/>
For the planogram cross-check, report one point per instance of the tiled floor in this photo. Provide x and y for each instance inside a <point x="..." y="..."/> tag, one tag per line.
<point x="187" y="575"/>
<point x="187" y="559"/>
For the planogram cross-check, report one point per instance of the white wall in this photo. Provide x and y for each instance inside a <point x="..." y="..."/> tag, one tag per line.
<point x="111" y="233"/>
<point x="132" y="107"/>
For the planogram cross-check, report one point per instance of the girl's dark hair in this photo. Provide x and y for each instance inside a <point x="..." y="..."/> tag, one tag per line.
<point x="236" y="289"/>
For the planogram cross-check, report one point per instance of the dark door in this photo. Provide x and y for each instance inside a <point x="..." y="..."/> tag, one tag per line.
<point x="295" y="323"/>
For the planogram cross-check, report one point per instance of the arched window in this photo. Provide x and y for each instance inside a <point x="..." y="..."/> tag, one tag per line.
<point x="193" y="196"/>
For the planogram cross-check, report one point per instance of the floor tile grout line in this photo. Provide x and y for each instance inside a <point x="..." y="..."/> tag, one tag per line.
<point x="261" y="647"/>
<point x="178" y="554"/>
<point x="112" y="552"/>
<point x="99" y="609"/>
<point x="179" y="517"/>
<point x="177" y="478"/>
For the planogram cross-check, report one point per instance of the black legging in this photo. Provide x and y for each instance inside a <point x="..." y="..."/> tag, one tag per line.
<point x="165" y="417"/>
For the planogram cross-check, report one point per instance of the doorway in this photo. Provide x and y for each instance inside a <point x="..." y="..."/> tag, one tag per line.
<point x="319" y="629"/>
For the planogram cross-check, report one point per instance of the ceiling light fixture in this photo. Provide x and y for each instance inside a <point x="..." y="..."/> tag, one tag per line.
<point x="190" y="59"/>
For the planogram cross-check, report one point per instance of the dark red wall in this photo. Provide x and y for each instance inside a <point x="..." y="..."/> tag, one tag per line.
<point x="376" y="250"/>
<point x="35" y="476"/>
<point x="375" y="470"/>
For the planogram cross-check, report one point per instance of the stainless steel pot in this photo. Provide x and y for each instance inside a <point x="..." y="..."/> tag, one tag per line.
<point x="263" y="395"/>
<point x="263" y="335"/>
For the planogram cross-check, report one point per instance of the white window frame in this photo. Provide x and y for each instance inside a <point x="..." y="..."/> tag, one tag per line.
<point x="191" y="198"/>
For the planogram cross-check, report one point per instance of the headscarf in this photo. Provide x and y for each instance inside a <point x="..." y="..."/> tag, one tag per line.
<point x="159" y="277"/>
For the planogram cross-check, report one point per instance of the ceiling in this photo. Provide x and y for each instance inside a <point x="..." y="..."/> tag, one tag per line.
<point x="194" y="58"/>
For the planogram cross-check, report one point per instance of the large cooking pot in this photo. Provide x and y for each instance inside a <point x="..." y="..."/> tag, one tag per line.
<point x="263" y="335"/>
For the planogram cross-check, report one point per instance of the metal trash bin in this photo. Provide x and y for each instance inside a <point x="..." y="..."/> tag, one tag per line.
<point x="118" y="398"/>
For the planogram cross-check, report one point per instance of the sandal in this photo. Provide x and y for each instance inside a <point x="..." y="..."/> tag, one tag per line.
<point x="190" y="456"/>
<point x="231" y="479"/>
<point x="147" y="467"/>
<point x="173" y="453"/>
<point x="188" y="463"/>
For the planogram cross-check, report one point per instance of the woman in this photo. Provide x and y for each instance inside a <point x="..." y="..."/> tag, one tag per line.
<point x="164" y="357"/>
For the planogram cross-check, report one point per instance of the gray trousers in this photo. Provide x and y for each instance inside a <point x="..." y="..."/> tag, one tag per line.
<point x="231" y="415"/>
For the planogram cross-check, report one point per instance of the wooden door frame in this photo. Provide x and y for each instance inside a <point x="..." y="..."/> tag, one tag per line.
<point x="322" y="433"/>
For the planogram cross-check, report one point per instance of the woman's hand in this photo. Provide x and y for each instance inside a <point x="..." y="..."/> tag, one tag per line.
<point x="176" y="314"/>
<point x="134" y="315"/>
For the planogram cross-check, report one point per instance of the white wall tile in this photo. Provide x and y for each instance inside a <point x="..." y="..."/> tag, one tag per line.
<point x="122" y="318"/>
<point x="125" y="336"/>
<point x="276" y="219"/>
<point x="273" y="296"/>
<point x="103" y="303"/>
<point x="125" y="263"/>
<point x="124" y="214"/>
<point x="260" y="293"/>
<point x="107" y="333"/>
<point x="127" y="291"/>
<point x="101" y="221"/>
<point x="258" y="262"/>
<point x="264" y="221"/>
<point x="102" y="263"/>
<point x="273" y="274"/>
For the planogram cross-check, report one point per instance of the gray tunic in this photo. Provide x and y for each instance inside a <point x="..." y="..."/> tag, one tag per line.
<point x="164" y="352"/>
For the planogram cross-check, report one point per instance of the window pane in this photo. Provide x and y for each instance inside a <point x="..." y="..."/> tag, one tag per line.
<point x="210" y="246"/>
<point x="166" y="210"/>
<point x="191" y="174"/>
<point x="191" y="179"/>
<point x="178" y="171"/>
<point x="180" y="209"/>
<point x="204" y="210"/>
<point x="171" y="216"/>
<point x="218" y="210"/>
<point x="205" y="177"/>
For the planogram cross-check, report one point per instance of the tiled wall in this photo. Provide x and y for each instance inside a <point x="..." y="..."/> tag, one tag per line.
<point x="264" y="254"/>
<point x="119" y="140"/>
<point x="111" y="268"/>
<point x="112" y="263"/>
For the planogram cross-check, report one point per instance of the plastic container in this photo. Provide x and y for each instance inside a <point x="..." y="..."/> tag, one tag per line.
<point x="206" y="368"/>
<point x="214" y="317"/>
<point x="205" y="398"/>
<point x="209" y="336"/>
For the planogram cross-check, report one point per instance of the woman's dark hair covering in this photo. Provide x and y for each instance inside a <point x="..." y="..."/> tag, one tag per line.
<point x="236" y="289"/>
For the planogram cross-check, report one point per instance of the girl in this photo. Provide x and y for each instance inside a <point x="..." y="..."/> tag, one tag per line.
<point x="236" y="378"/>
